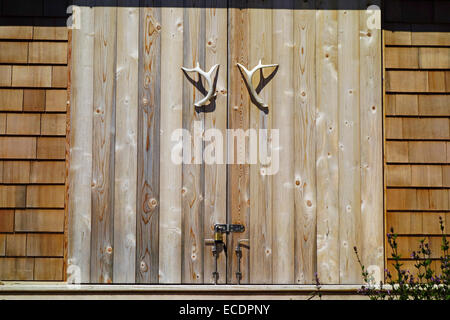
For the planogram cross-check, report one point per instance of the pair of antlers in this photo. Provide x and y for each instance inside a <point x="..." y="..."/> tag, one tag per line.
<point x="248" y="75"/>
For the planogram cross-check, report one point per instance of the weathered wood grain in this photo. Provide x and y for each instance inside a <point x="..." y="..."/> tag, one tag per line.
<point x="45" y="244"/>
<point x="67" y="109"/>
<point x="305" y="143"/>
<point x="147" y="244"/>
<point x="371" y="124"/>
<point x="16" y="268"/>
<point x="80" y="153"/>
<point x="48" y="269"/>
<point x="39" y="220"/>
<point x="11" y="100"/>
<point x="23" y="124"/>
<point x="7" y="220"/>
<point x="45" y="196"/>
<point x="5" y="76"/>
<point x="16" y="244"/>
<point x="283" y="120"/>
<point x="193" y="122"/>
<point x="16" y="171"/>
<point x="13" y="52"/>
<point x="31" y="76"/>
<point x="103" y="145"/>
<point x="260" y="39"/>
<point x="216" y="173"/>
<point x="125" y="162"/>
<point x="2" y="123"/>
<point x="170" y="245"/>
<point x="349" y="145"/>
<point x="238" y="118"/>
<point x="51" y="148"/>
<point x="17" y="147"/>
<point x="53" y="124"/>
<point x="327" y="152"/>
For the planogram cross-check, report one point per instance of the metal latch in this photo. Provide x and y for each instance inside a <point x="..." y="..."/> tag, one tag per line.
<point x="218" y="242"/>
<point x="228" y="228"/>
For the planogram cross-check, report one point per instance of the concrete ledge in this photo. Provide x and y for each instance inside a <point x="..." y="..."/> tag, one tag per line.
<point x="46" y="290"/>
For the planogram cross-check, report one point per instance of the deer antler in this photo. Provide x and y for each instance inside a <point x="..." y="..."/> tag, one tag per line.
<point x="208" y="76"/>
<point x="248" y="79"/>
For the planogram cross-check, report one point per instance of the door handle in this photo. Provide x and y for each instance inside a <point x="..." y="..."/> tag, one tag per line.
<point x="209" y="79"/>
<point x="248" y="75"/>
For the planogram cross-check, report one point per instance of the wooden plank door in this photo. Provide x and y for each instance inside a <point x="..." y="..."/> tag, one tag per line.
<point x="301" y="170"/>
<point x="262" y="202"/>
<point x="192" y="194"/>
<point x="324" y="126"/>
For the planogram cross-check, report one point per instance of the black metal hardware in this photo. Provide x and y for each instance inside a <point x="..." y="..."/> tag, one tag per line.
<point x="238" y="251"/>
<point x="219" y="244"/>
<point x="229" y="228"/>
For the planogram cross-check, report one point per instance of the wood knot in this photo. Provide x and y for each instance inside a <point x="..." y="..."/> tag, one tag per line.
<point x="109" y="250"/>
<point x="297" y="182"/>
<point x="303" y="93"/>
<point x="309" y="203"/>
<point x="143" y="266"/>
<point x="152" y="203"/>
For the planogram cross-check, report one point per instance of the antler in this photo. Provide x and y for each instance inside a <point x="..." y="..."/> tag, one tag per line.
<point x="248" y="79"/>
<point x="208" y="76"/>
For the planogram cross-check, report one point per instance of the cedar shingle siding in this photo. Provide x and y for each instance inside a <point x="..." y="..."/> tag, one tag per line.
<point x="33" y="95"/>
<point x="417" y="128"/>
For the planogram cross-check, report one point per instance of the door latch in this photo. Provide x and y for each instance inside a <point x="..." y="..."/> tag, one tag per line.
<point x="219" y="244"/>
<point x="228" y="228"/>
<point x="242" y="243"/>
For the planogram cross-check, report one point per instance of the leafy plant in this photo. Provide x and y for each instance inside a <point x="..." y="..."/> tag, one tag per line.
<point x="427" y="285"/>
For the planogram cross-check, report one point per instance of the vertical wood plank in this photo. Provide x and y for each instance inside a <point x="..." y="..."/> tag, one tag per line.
<point x="327" y="147"/>
<point x="372" y="224"/>
<point x="305" y="144"/>
<point x="67" y="157"/>
<point x="193" y="173"/>
<point x="171" y="119"/>
<point x="147" y="233"/>
<point x="238" y="118"/>
<point x="283" y="120"/>
<point x="103" y="145"/>
<point x="80" y="153"/>
<point x="126" y="145"/>
<point x="260" y="183"/>
<point x="216" y="174"/>
<point x="349" y="144"/>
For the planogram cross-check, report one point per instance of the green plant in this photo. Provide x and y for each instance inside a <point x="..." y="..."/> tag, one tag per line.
<point x="427" y="285"/>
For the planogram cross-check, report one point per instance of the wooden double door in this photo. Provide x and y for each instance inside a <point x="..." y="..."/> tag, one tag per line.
<point x="137" y="216"/>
